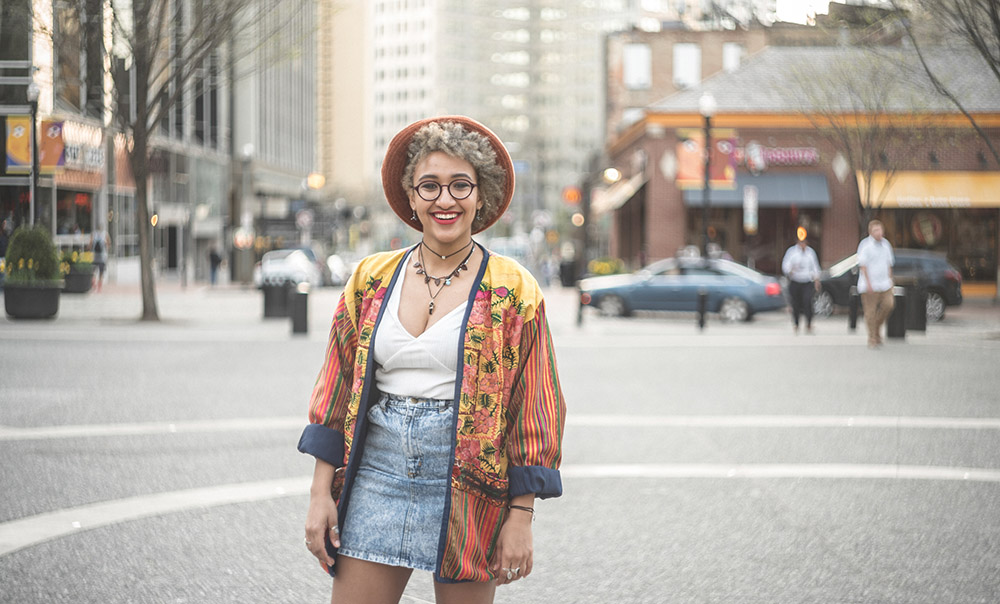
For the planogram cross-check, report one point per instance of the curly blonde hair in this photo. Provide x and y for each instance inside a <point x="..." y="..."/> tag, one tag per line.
<point x="453" y="139"/>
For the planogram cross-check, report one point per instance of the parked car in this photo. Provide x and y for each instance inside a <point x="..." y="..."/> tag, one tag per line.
<point x="734" y="291"/>
<point x="289" y="265"/>
<point x="340" y="270"/>
<point x="314" y="257"/>
<point x="930" y="269"/>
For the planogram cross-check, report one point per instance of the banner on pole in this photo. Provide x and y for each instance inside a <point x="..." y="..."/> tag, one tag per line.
<point x="691" y="159"/>
<point x="18" y="144"/>
<point x="52" y="155"/>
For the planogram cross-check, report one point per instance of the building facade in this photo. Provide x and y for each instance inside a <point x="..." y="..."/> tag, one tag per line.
<point x="274" y="74"/>
<point x="84" y="182"/>
<point x="932" y="180"/>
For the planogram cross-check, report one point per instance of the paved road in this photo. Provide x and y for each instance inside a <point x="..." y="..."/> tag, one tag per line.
<point x="156" y="463"/>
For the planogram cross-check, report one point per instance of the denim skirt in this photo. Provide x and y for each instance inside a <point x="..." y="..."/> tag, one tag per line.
<point x="398" y="495"/>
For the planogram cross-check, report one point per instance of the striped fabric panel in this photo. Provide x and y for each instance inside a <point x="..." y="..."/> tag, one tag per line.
<point x="535" y="438"/>
<point x="328" y="404"/>
<point x="473" y="529"/>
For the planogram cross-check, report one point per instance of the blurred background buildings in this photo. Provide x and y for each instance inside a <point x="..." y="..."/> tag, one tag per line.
<point x="278" y="137"/>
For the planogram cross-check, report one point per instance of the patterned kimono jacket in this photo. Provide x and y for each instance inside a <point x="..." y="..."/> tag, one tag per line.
<point x="509" y="407"/>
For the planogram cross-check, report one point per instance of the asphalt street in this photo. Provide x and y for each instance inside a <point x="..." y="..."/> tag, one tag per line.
<point x="156" y="463"/>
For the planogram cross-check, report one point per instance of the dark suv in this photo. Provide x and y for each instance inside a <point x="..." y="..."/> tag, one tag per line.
<point x="931" y="269"/>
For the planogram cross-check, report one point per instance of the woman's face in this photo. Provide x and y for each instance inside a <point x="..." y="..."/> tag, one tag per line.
<point x="446" y="220"/>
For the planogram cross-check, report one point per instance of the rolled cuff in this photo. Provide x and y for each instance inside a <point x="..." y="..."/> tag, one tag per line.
<point x="323" y="443"/>
<point x="543" y="482"/>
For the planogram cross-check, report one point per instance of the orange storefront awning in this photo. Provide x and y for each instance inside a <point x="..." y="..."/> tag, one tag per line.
<point x="934" y="189"/>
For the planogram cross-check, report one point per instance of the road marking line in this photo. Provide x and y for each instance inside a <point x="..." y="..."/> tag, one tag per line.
<point x="10" y="433"/>
<point x="145" y="428"/>
<point x="26" y="532"/>
<point x="833" y="470"/>
<point x="783" y="421"/>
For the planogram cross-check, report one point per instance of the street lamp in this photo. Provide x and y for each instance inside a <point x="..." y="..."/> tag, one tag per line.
<point x="32" y="93"/>
<point x="706" y="106"/>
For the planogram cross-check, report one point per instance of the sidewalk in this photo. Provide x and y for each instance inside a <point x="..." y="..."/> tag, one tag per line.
<point x="235" y="311"/>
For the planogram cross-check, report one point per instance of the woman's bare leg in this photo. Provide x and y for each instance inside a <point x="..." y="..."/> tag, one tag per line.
<point x="464" y="593"/>
<point x="364" y="582"/>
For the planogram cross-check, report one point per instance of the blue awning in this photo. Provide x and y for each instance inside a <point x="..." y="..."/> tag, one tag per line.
<point x="804" y="190"/>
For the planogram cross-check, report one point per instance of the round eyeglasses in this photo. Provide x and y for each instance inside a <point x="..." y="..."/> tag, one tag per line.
<point x="458" y="189"/>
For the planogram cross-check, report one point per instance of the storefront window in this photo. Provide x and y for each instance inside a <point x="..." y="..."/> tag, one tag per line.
<point x="968" y="236"/>
<point x="16" y="201"/>
<point x="74" y="210"/>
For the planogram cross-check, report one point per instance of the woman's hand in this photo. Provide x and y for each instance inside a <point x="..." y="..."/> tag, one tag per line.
<point x="513" y="557"/>
<point x="321" y="519"/>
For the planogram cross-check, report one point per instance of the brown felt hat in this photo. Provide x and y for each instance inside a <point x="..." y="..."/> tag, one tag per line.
<point x="397" y="156"/>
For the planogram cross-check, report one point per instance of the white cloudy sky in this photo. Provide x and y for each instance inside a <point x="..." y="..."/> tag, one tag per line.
<point x="797" y="10"/>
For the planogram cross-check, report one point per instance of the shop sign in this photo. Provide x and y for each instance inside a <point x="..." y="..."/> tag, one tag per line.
<point x="84" y="157"/>
<point x="758" y="158"/>
<point x="926" y="229"/>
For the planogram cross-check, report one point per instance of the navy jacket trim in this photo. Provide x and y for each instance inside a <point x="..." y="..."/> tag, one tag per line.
<point x="543" y="482"/>
<point x="324" y="443"/>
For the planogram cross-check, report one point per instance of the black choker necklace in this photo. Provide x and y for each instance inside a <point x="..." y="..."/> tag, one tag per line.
<point x="439" y="282"/>
<point x="442" y="256"/>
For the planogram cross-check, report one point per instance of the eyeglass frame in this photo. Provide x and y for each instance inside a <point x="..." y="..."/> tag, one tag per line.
<point x="442" y="187"/>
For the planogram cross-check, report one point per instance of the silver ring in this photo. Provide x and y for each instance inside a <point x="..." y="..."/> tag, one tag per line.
<point x="308" y="542"/>
<point x="335" y="529"/>
<point x="510" y="574"/>
<point x="516" y="570"/>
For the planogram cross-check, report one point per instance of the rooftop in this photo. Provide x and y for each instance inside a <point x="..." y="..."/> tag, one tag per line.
<point x="882" y="79"/>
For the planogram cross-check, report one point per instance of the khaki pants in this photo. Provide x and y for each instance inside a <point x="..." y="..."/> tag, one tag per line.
<point x="878" y="306"/>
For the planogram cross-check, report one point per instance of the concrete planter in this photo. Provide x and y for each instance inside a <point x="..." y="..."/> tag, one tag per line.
<point x="79" y="281"/>
<point x="32" y="300"/>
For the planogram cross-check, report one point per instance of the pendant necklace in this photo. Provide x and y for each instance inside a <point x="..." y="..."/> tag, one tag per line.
<point x="439" y="282"/>
<point x="442" y="256"/>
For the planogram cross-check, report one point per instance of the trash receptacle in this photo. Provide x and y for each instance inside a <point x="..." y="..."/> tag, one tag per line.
<point x="566" y="273"/>
<point x="276" y="298"/>
<point x="896" y="325"/>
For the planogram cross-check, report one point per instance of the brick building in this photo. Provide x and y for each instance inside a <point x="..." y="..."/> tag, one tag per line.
<point x="930" y="177"/>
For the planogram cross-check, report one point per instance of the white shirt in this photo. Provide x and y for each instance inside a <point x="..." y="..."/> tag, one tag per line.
<point x="423" y="366"/>
<point x="801" y="265"/>
<point x="877" y="258"/>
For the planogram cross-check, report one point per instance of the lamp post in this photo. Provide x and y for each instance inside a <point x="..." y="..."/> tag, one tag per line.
<point x="706" y="106"/>
<point x="32" y="93"/>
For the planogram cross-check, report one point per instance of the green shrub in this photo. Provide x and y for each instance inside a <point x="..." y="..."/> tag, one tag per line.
<point x="31" y="256"/>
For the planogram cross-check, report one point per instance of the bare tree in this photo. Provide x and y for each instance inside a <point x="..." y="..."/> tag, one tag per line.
<point x="163" y="46"/>
<point x="972" y="23"/>
<point x="854" y="104"/>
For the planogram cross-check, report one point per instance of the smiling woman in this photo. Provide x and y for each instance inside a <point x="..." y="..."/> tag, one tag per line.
<point x="444" y="347"/>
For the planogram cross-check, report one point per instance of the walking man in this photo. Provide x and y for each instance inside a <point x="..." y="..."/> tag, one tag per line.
<point x="875" y="258"/>
<point x="801" y="266"/>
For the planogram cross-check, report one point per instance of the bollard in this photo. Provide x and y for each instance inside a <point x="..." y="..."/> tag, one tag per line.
<point x="916" y="307"/>
<point x="896" y="325"/>
<point x="852" y="308"/>
<point x="299" y="308"/>
<point x="579" y="309"/>
<point x="702" y="307"/>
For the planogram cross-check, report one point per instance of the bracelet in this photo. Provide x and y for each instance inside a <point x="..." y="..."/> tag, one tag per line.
<point x="524" y="508"/>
